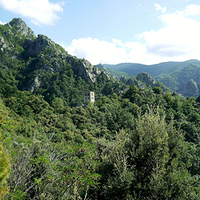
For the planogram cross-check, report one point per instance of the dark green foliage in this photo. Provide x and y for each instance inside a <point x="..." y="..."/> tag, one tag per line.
<point x="157" y="90"/>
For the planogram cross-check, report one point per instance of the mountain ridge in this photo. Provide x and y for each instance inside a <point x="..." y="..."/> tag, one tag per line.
<point x="175" y="75"/>
<point x="135" y="68"/>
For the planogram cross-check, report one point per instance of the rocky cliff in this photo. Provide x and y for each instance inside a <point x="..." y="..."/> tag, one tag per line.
<point x="85" y="70"/>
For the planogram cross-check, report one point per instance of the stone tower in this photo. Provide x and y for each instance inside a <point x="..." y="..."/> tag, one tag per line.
<point x="89" y="96"/>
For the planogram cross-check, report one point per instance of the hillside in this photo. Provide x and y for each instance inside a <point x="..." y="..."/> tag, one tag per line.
<point x="39" y="65"/>
<point x="114" y="73"/>
<point x="175" y="75"/>
<point x="185" y="81"/>
<point x="133" y="142"/>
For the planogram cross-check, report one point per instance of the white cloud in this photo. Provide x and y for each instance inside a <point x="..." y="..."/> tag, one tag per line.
<point x="177" y="41"/>
<point x="192" y="10"/>
<point x="39" y="11"/>
<point x="98" y="51"/>
<point x="160" y="8"/>
<point x="1" y="23"/>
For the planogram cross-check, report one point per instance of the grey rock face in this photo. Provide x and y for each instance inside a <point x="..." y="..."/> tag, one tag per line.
<point x="38" y="45"/>
<point x="189" y="89"/>
<point x="84" y="69"/>
<point x="35" y="84"/>
<point x="20" y="26"/>
<point x="146" y="78"/>
<point x="88" y="70"/>
<point x="137" y="83"/>
<point x="46" y="50"/>
<point x="123" y="79"/>
<point x="3" y="44"/>
<point x="41" y="43"/>
<point x="6" y="46"/>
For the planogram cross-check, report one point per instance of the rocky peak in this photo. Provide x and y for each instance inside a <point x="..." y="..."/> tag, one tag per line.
<point x="20" y="26"/>
<point x="146" y="78"/>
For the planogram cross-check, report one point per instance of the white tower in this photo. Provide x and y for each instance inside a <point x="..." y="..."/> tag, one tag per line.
<point x="89" y="96"/>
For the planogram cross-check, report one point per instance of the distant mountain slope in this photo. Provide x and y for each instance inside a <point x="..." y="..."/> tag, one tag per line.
<point x="182" y="77"/>
<point x="114" y="73"/>
<point x="142" y="80"/>
<point x="187" y="73"/>
<point x="133" y="69"/>
<point x="185" y="81"/>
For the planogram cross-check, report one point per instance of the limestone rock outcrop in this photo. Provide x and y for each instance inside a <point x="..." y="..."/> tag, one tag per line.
<point x="20" y="26"/>
<point x="146" y="78"/>
<point x="84" y="69"/>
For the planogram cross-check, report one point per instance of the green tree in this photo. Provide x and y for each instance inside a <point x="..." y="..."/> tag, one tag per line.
<point x="150" y="152"/>
<point x="117" y="175"/>
<point x="157" y="156"/>
<point x="157" y="90"/>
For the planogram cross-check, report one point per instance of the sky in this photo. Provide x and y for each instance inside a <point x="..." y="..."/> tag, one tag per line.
<point x="114" y="31"/>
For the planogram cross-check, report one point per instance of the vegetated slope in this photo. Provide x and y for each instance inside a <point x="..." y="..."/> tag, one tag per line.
<point x="140" y="144"/>
<point x="39" y="65"/>
<point x="185" y="81"/>
<point x="142" y="80"/>
<point x="181" y="77"/>
<point x="103" y="150"/>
